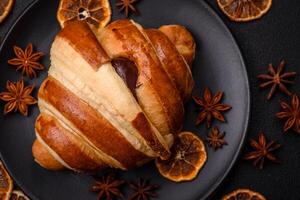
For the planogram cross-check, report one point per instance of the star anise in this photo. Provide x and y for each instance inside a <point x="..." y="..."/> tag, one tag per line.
<point x="143" y="190"/>
<point x="216" y="139"/>
<point x="210" y="107"/>
<point x="27" y="61"/>
<point x="277" y="79"/>
<point x="17" y="97"/>
<point x="262" y="151"/>
<point x="108" y="187"/>
<point x="291" y="113"/>
<point x="126" y="6"/>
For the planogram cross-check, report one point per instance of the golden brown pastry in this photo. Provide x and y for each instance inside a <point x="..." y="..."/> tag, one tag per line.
<point x="111" y="99"/>
<point x="182" y="39"/>
<point x="173" y="62"/>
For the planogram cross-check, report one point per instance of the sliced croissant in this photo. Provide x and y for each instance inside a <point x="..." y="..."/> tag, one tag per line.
<point x="94" y="114"/>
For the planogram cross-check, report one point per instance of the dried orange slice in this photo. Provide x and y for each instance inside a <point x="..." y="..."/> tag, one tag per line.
<point x="6" y="183"/>
<point x="244" y="10"/>
<point x="187" y="158"/>
<point x="244" y="194"/>
<point x="5" y="8"/>
<point x="96" y="13"/>
<point x="18" y="195"/>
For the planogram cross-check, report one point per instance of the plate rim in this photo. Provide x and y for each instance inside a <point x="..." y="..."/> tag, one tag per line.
<point x="229" y="34"/>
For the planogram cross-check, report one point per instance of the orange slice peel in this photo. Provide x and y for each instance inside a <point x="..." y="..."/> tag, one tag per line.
<point x="187" y="158"/>
<point x="5" y="8"/>
<point x="244" y="10"/>
<point x="6" y="183"/>
<point x="97" y="13"/>
<point x="244" y="194"/>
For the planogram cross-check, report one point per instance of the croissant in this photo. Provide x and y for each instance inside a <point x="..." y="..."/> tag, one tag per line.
<point x="113" y="98"/>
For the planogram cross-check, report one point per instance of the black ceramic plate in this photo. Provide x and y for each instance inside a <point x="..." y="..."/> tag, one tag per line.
<point x="218" y="64"/>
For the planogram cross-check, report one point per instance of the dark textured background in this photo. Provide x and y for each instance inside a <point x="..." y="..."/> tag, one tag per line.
<point x="268" y="40"/>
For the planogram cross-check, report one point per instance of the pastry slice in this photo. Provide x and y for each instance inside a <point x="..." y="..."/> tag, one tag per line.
<point x="173" y="63"/>
<point x="65" y="146"/>
<point x="182" y="39"/>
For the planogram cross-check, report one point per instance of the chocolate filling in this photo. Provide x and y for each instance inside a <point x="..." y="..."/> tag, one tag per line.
<point x="128" y="71"/>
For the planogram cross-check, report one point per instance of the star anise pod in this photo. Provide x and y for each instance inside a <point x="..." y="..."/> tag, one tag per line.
<point x="262" y="151"/>
<point x="143" y="190"/>
<point x="17" y="97"/>
<point x="291" y="113"/>
<point x="277" y="79"/>
<point x="216" y="139"/>
<point x="108" y="187"/>
<point x="27" y="61"/>
<point x="210" y="107"/>
<point x="126" y="6"/>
